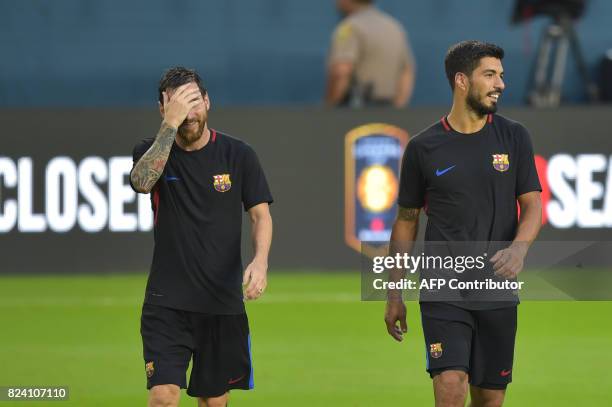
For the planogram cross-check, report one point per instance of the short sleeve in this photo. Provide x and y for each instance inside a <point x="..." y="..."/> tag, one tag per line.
<point x="526" y="173"/>
<point x="255" y="188"/>
<point x="412" y="183"/>
<point x="138" y="152"/>
<point x="407" y="57"/>
<point x="345" y="45"/>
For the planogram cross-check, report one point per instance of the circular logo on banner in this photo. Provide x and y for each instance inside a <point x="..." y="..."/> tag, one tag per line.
<point x="377" y="188"/>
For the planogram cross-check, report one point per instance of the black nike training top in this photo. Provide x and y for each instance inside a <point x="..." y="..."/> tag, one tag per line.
<point x="468" y="184"/>
<point x="197" y="204"/>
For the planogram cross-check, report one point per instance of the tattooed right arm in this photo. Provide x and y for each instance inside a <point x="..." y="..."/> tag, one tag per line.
<point x="408" y="214"/>
<point x="403" y="235"/>
<point x="149" y="168"/>
<point x="176" y="107"/>
<point x="405" y="230"/>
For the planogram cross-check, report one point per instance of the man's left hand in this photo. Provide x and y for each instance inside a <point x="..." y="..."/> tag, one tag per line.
<point x="507" y="263"/>
<point x="255" y="280"/>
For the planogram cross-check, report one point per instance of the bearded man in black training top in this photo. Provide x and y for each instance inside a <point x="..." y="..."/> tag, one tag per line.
<point x="468" y="171"/>
<point x="200" y="180"/>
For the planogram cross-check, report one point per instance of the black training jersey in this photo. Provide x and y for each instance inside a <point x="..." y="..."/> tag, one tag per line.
<point x="197" y="204"/>
<point x="468" y="185"/>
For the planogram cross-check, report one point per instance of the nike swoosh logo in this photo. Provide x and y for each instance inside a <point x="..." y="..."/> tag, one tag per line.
<point x="505" y="373"/>
<point x="232" y="381"/>
<point x="170" y="178"/>
<point x="444" y="171"/>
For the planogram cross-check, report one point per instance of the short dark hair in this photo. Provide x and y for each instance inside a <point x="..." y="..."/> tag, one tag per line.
<point x="465" y="56"/>
<point x="177" y="76"/>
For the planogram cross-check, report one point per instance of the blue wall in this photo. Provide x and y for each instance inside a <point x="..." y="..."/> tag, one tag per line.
<point x="111" y="53"/>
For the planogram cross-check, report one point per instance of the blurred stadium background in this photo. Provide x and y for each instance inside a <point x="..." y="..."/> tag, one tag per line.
<point x="78" y="83"/>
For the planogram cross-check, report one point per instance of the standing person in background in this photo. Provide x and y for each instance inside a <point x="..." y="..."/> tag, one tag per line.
<point x="370" y="62"/>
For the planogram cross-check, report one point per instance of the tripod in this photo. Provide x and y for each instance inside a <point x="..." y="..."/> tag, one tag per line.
<point x="547" y="79"/>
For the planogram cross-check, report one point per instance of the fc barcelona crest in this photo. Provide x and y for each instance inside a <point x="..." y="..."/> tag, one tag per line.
<point x="501" y="162"/>
<point x="435" y="350"/>
<point x="222" y="182"/>
<point x="149" y="369"/>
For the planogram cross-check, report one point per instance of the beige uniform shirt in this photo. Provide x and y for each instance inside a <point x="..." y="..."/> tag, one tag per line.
<point x="377" y="46"/>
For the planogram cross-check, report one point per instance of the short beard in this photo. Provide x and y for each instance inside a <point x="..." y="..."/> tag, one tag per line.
<point x="477" y="107"/>
<point x="188" y="137"/>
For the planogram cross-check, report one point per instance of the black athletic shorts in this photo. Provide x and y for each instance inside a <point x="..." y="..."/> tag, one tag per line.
<point x="479" y="342"/>
<point x="220" y="346"/>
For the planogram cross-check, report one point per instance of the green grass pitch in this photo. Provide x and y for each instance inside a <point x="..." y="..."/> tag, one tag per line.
<point x="314" y="343"/>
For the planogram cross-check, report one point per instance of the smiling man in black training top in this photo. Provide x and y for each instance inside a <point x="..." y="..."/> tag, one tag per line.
<point x="199" y="180"/>
<point x="468" y="171"/>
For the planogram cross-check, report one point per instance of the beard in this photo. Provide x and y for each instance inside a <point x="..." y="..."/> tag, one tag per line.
<point x="188" y="134"/>
<point x="479" y="107"/>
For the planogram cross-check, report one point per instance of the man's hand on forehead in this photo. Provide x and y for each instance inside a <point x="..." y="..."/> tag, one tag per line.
<point x="191" y="86"/>
<point x="178" y="105"/>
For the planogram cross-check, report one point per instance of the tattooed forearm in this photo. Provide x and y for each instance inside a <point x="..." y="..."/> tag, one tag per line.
<point x="408" y="214"/>
<point x="149" y="168"/>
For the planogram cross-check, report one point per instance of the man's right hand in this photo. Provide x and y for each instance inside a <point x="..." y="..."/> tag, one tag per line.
<point x="396" y="312"/>
<point x="178" y="106"/>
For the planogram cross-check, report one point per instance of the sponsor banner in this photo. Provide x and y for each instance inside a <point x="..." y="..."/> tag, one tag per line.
<point x="576" y="190"/>
<point x="66" y="204"/>
<point x="89" y="195"/>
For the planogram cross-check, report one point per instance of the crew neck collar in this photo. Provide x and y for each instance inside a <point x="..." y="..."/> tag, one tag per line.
<point x="211" y="140"/>
<point x="450" y="129"/>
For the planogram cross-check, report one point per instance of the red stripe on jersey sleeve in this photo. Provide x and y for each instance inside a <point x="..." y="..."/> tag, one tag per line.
<point x="155" y="204"/>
